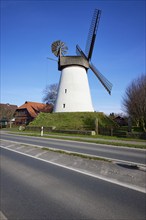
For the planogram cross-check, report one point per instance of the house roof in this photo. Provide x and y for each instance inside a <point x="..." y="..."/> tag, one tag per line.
<point x="8" y="106"/>
<point x="7" y="110"/>
<point x="34" y="107"/>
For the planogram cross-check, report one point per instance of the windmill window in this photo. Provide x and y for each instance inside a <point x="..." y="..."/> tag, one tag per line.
<point x="65" y="90"/>
<point x="63" y="105"/>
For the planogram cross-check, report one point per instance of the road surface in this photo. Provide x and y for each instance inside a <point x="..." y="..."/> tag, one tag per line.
<point x="35" y="190"/>
<point x="137" y="156"/>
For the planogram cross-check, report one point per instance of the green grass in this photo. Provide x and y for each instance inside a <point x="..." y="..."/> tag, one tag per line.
<point x="84" y="156"/>
<point x="77" y="121"/>
<point x="74" y="120"/>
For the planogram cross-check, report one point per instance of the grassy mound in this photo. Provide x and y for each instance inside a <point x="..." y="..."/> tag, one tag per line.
<point x="72" y="121"/>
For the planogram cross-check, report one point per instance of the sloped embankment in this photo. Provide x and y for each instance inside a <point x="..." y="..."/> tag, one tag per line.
<point x="73" y="121"/>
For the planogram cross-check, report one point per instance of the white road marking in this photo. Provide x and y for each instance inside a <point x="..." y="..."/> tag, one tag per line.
<point x="11" y="145"/>
<point x="2" y="216"/>
<point x="137" y="188"/>
<point x="89" y="155"/>
<point x="30" y="150"/>
<point x="40" y="154"/>
<point x="20" y="147"/>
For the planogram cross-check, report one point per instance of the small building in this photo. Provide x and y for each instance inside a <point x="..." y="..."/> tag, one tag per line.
<point x="29" y="111"/>
<point x="120" y="121"/>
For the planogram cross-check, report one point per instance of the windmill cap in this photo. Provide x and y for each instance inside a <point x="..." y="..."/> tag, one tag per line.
<point x="65" y="61"/>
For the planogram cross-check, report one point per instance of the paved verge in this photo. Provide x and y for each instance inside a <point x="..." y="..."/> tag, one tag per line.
<point x="118" y="173"/>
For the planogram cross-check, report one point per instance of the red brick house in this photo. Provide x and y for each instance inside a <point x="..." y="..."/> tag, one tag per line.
<point x="29" y="111"/>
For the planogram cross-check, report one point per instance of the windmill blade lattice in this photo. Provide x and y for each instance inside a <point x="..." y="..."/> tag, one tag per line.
<point x="59" y="48"/>
<point x="92" y="33"/>
<point x="79" y="52"/>
<point x="107" y="84"/>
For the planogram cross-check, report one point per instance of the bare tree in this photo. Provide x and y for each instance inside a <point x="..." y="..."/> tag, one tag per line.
<point x="134" y="101"/>
<point x="50" y="93"/>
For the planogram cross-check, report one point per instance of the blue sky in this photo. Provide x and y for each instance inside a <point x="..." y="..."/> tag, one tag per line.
<point x="28" y="29"/>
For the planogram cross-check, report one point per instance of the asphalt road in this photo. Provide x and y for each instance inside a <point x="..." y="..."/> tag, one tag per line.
<point x="120" y="153"/>
<point x="35" y="190"/>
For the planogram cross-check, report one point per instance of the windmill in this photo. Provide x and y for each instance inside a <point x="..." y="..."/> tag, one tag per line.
<point x="73" y="91"/>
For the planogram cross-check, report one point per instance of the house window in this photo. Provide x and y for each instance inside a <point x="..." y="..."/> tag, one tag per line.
<point x="63" y="105"/>
<point x="65" y="90"/>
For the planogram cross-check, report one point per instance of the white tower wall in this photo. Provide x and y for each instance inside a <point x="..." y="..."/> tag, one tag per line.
<point x="73" y="92"/>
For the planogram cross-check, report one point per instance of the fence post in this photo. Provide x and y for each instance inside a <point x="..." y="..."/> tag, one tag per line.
<point x="111" y="131"/>
<point x="96" y="125"/>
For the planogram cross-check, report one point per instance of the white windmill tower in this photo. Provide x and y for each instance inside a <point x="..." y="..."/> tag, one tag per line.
<point x="73" y="91"/>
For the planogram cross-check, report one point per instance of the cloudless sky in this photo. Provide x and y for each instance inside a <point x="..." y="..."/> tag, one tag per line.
<point x="28" y="28"/>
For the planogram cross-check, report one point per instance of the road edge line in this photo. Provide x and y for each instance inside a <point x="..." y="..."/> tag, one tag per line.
<point x="133" y="187"/>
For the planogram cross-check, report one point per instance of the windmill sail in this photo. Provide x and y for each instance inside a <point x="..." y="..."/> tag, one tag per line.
<point x="92" y="33"/>
<point x="107" y="85"/>
<point x="79" y="52"/>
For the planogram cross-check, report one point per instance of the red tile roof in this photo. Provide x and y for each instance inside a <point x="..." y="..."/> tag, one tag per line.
<point x="34" y="107"/>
